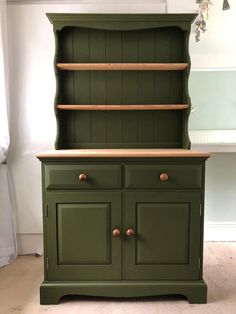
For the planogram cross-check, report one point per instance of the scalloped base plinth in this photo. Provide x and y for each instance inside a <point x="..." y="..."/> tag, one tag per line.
<point x="194" y="291"/>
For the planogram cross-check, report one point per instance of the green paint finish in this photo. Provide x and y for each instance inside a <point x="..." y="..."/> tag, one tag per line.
<point x="81" y="254"/>
<point x="133" y="41"/>
<point x="163" y="87"/>
<point x="120" y="21"/>
<point x="79" y="243"/>
<point x="80" y="221"/>
<point x="167" y="244"/>
<point x="214" y="100"/>
<point x="167" y="238"/>
<point x="158" y="221"/>
<point x="147" y="176"/>
<point x="194" y="291"/>
<point x="67" y="176"/>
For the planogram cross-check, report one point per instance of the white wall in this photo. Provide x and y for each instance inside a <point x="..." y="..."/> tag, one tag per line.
<point x="32" y="89"/>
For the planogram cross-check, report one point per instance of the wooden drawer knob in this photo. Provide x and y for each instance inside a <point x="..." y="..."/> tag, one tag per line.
<point x="130" y="232"/>
<point x="82" y="177"/>
<point x="116" y="233"/>
<point x="164" y="177"/>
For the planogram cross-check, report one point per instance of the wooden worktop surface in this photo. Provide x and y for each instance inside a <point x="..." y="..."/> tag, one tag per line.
<point x="97" y="153"/>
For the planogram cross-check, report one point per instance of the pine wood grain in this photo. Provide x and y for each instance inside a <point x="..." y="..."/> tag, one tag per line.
<point x="122" y="107"/>
<point x="112" y="153"/>
<point x="122" y="66"/>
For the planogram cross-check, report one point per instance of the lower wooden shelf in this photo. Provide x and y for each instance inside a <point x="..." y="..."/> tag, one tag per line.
<point x="122" y="66"/>
<point x="122" y="107"/>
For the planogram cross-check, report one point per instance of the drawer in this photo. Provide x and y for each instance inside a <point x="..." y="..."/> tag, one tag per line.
<point x="82" y="176"/>
<point x="163" y="176"/>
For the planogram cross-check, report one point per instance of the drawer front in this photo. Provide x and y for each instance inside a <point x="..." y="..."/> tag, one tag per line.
<point x="163" y="176"/>
<point x="72" y="176"/>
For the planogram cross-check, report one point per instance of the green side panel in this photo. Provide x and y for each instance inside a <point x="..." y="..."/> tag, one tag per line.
<point x="67" y="126"/>
<point x="176" y="91"/>
<point x="157" y="222"/>
<point x="67" y="176"/>
<point x="80" y="245"/>
<point x="166" y="244"/>
<point x="148" y="176"/>
<point x="77" y="222"/>
<point x="65" y="45"/>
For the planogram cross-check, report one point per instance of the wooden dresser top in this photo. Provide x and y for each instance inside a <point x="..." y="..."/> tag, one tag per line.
<point x="110" y="153"/>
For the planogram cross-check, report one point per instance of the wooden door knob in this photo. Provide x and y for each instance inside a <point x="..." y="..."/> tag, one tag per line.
<point x="116" y="233"/>
<point x="164" y="177"/>
<point x="130" y="232"/>
<point x="82" y="177"/>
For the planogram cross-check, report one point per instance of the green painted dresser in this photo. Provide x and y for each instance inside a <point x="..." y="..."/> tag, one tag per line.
<point x="123" y="193"/>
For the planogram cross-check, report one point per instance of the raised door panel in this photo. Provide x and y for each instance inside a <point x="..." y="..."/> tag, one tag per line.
<point x="156" y="225"/>
<point x="166" y="242"/>
<point x="80" y="245"/>
<point x="77" y="222"/>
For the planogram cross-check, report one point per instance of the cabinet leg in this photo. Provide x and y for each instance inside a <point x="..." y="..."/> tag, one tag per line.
<point x="196" y="299"/>
<point x="197" y="295"/>
<point x="49" y="296"/>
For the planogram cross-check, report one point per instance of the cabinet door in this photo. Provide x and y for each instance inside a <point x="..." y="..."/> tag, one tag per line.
<point x="166" y="240"/>
<point x="79" y="241"/>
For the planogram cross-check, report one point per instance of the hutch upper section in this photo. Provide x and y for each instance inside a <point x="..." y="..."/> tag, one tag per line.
<point x="122" y="80"/>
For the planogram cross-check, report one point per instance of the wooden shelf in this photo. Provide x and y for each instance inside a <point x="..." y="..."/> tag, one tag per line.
<point x="122" y="107"/>
<point x="122" y="66"/>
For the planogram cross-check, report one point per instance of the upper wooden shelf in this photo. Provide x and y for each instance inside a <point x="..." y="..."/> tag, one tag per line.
<point x="122" y="107"/>
<point x="122" y="66"/>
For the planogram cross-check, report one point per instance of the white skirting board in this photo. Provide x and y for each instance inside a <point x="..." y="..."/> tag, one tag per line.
<point x="32" y="243"/>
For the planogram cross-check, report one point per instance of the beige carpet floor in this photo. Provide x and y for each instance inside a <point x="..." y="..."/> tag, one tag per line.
<point x="20" y="281"/>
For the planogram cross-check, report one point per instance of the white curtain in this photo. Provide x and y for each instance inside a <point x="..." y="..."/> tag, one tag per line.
<point x="8" y="247"/>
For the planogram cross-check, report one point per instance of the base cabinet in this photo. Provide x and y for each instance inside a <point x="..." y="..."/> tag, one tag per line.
<point x="122" y="241"/>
